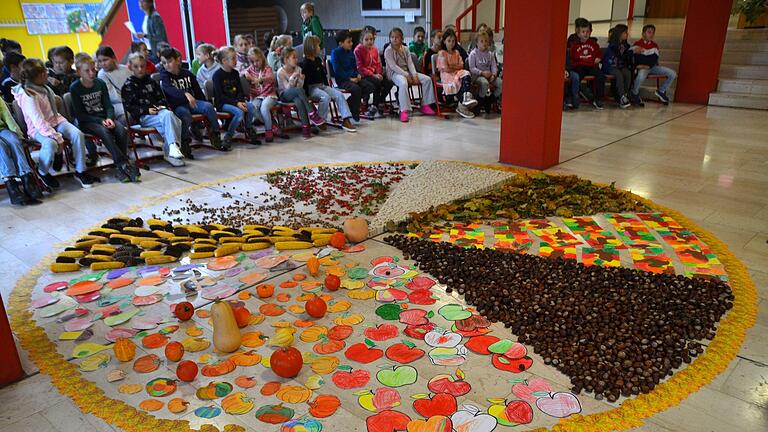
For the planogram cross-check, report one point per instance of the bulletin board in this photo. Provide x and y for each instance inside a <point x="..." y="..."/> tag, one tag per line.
<point x="391" y="7"/>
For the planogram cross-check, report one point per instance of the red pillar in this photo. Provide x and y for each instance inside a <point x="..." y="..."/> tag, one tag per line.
<point x="534" y="41"/>
<point x="9" y="357"/>
<point x="631" y="10"/>
<point x="706" y="26"/>
<point x="437" y="14"/>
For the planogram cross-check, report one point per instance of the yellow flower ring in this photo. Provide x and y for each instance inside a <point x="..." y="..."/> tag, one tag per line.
<point x="630" y="414"/>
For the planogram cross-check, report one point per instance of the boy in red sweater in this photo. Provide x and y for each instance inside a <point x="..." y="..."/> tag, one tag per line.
<point x="585" y="61"/>
<point x="647" y="62"/>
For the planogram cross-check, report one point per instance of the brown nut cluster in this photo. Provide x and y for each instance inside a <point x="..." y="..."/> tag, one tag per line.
<point x="613" y="331"/>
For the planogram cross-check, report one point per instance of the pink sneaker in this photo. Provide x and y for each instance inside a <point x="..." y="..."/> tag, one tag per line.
<point x="315" y="118"/>
<point x="426" y="110"/>
<point x="404" y="116"/>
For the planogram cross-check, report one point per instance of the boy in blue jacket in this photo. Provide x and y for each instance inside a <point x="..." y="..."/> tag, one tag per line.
<point x="347" y="77"/>
<point x="185" y="98"/>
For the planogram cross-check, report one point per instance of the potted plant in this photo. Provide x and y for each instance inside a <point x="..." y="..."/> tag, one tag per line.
<point x="752" y="13"/>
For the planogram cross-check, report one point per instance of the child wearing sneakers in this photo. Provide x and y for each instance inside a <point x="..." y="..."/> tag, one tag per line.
<point x="456" y="80"/>
<point x="346" y="73"/>
<point x="317" y="88"/>
<point x="206" y="55"/>
<point x="402" y="72"/>
<point x="585" y="60"/>
<point x="185" y="98"/>
<point x="229" y="97"/>
<point x="435" y="42"/>
<point x="114" y="75"/>
<point x="646" y="56"/>
<point x="61" y="75"/>
<point x="242" y="45"/>
<point x="263" y="92"/>
<point x="290" y="83"/>
<point x="145" y="103"/>
<point x="485" y="71"/>
<point x="417" y="46"/>
<point x="617" y="61"/>
<point x="14" y="168"/>
<point x="369" y="67"/>
<point x="47" y="126"/>
<point x="96" y="116"/>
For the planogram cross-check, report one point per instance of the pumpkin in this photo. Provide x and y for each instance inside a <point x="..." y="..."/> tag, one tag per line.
<point x="195" y="344"/>
<point x="286" y="362"/>
<point x="283" y="337"/>
<point x="154" y="340"/>
<point x="340" y="332"/>
<point x="338" y="240"/>
<point x="177" y="405"/>
<point x="253" y="339"/>
<point x="265" y="290"/>
<point x="146" y="364"/>
<point x="245" y="359"/>
<point x="174" y="351"/>
<point x="124" y="349"/>
<point x="184" y="311"/>
<point x="294" y="394"/>
<point x="351" y="319"/>
<point x="270" y="388"/>
<point x="271" y="309"/>
<point x="329" y="346"/>
<point x="339" y="306"/>
<point x="325" y="364"/>
<point x="324" y="406"/>
<point x="313" y="334"/>
<point x="242" y="317"/>
<point x="221" y="368"/>
<point x="226" y="334"/>
<point x="214" y="390"/>
<point x="245" y="382"/>
<point x="355" y="229"/>
<point x="186" y="371"/>
<point x="237" y="403"/>
<point x="316" y="307"/>
<point x="313" y="265"/>
<point x="151" y="404"/>
<point x="332" y="282"/>
<point x="274" y="414"/>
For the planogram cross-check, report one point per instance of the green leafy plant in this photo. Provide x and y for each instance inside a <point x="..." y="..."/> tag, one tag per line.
<point x="751" y="9"/>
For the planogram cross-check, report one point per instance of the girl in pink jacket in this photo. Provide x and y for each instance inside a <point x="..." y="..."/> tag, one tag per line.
<point x="455" y="79"/>
<point x="369" y="67"/>
<point x="46" y="126"/>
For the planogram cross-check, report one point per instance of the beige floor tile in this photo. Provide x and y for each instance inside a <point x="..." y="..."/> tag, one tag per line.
<point x="709" y="410"/>
<point x="33" y="423"/>
<point x="25" y="398"/>
<point x="66" y="417"/>
<point x="749" y="382"/>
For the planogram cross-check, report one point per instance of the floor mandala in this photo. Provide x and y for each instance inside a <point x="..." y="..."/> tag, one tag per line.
<point x="519" y="300"/>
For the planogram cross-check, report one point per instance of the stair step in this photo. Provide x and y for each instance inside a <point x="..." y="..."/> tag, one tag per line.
<point x="733" y="85"/>
<point x="746" y="45"/>
<point x="734" y="57"/>
<point x="739" y="100"/>
<point x="744" y="71"/>
<point x="747" y="34"/>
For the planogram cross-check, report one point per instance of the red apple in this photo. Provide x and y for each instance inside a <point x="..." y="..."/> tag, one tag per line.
<point x="381" y="332"/>
<point x="351" y="379"/>
<point x="501" y="362"/>
<point x="421" y="297"/>
<point x="420" y="283"/>
<point x="440" y="404"/>
<point x="363" y="353"/>
<point x="480" y="344"/>
<point x="519" y="412"/>
<point x="418" y="331"/>
<point x="387" y="421"/>
<point x="404" y="353"/>
<point x="414" y="317"/>
<point x="449" y="384"/>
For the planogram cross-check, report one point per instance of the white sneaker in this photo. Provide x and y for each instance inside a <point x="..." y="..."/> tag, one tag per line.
<point x="469" y="101"/>
<point x="174" y="151"/>
<point x="174" y="162"/>
<point x="464" y="111"/>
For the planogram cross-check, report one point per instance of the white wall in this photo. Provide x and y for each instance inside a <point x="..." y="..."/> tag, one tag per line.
<point x="596" y="10"/>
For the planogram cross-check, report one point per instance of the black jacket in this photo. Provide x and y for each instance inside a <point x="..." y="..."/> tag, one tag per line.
<point x="141" y="94"/>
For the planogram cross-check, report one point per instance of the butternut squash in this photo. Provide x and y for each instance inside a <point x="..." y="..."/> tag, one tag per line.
<point x="226" y="333"/>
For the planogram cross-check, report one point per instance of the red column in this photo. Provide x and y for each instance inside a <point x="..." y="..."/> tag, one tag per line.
<point x="631" y="10"/>
<point x="437" y="14"/>
<point x="534" y="64"/>
<point x="9" y="357"/>
<point x="706" y="26"/>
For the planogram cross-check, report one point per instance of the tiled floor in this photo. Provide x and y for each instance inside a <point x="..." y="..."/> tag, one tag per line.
<point x="710" y="163"/>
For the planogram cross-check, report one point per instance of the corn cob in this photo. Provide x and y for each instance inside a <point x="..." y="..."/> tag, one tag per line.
<point x="275" y="239"/>
<point x="150" y="244"/>
<point x="200" y="255"/>
<point x="320" y="236"/>
<point x="255" y="246"/>
<point x="86" y="244"/>
<point x="135" y="230"/>
<point x="72" y="254"/>
<point x="161" y="259"/>
<point x="147" y="254"/>
<point x="64" y="267"/>
<point x="324" y="241"/>
<point x="163" y="234"/>
<point x="227" y="249"/>
<point x="224" y="240"/>
<point x="108" y="265"/>
<point x="292" y="245"/>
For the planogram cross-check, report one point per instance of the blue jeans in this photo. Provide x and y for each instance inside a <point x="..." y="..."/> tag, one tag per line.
<point x="237" y="117"/>
<point x="167" y="124"/>
<point x="263" y="108"/>
<point x="325" y="95"/>
<point x="642" y="74"/>
<point x="298" y="98"/>
<point x="49" y="147"/>
<point x="184" y="113"/>
<point x="13" y="162"/>
<point x="575" y="84"/>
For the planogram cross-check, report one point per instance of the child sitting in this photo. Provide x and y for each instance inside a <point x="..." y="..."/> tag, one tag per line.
<point x="585" y="60"/>
<point x="344" y="67"/>
<point x="141" y="48"/>
<point x="263" y="92"/>
<point x="185" y="98"/>
<point x="206" y="54"/>
<point x="369" y="67"/>
<point x="61" y="75"/>
<point x="12" y="62"/>
<point x="459" y="48"/>
<point x="310" y="25"/>
<point x="435" y="42"/>
<point x="229" y="97"/>
<point x="485" y="71"/>
<point x="417" y="46"/>
<point x="617" y="61"/>
<point x="315" y="84"/>
<point x="145" y="103"/>
<point x="275" y="56"/>
<point x="47" y="126"/>
<point x="647" y="62"/>
<point x="96" y="116"/>
<point x="456" y="80"/>
<point x="402" y="72"/>
<point x="242" y="45"/>
<point x="14" y="168"/>
<point x="114" y="76"/>
<point x="290" y="83"/>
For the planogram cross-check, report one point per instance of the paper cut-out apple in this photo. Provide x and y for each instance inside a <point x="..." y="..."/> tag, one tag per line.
<point x="418" y="331"/>
<point x="439" y="404"/>
<point x="480" y="344"/>
<point x="470" y="419"/>
<point x="453" y="385"/>
<point x="378" y="400"/>
<point x="454" y="312"/>
<point x="501" y="362"/>
<point x="527" y="390"/>
<point x="512" y="413"/>
<point x="405" y="352"/>
<point x="351" y="379"/>
<point x="397" y="376"/>
<point x="390" y="295"/>
<point x="421" y="297"/>
<point x="414" y="317"/>
<point x="381" y="332"/>
<point x="387" y="421"/>
<point x="442" y="338"/>
<point x="560" y="404"/>
<point x="432" y="424"/>
<point x="448" y="356"/>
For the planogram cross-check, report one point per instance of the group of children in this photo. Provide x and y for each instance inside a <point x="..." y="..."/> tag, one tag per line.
<point x="584" y="58"/>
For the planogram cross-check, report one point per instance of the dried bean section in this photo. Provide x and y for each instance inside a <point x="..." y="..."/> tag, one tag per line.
<point x="614" y="331"/>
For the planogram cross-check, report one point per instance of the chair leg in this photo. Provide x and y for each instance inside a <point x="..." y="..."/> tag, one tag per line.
<point x="35" y="172"/>
<point x="134" y="146"/>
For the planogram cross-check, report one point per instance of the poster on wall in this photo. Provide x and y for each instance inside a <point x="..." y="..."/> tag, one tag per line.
<point x="62" y="18"/>
<point x="391" y="7"/>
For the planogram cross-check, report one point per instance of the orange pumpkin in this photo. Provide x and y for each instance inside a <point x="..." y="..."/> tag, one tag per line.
<point x="338" y="240"/>
<point x="242" y="317"/>
<point x="174" y="351"/>
<point x="187" y="370"/>
<point x="124" y="349"/>
<point x="340" y="332"/>
<point x="146" y="364"/>
<point x="324" y="365"/>
<point x="270" y="388"/>
<point x="298" y="277"/>
<point x="324" y="406"/>
<point x="313" y="334"/>
<point x="218" y="369"/>
<point x="316" y="307"/>
<point x="356" y="229"/>
<point x="154" y="340"/>
<point x="313" y="265"/>
<point x="294" y="394"/>
<point x="265" y="290"/>
<point x="289" y="284"/>
<point x="271" y="309"/>
<point x="247" y="358"/>
<point x="329" y="346"/>
<point x="177" y="405"/>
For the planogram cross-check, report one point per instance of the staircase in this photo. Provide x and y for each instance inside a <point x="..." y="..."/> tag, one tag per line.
<point x="743" y="77"/>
